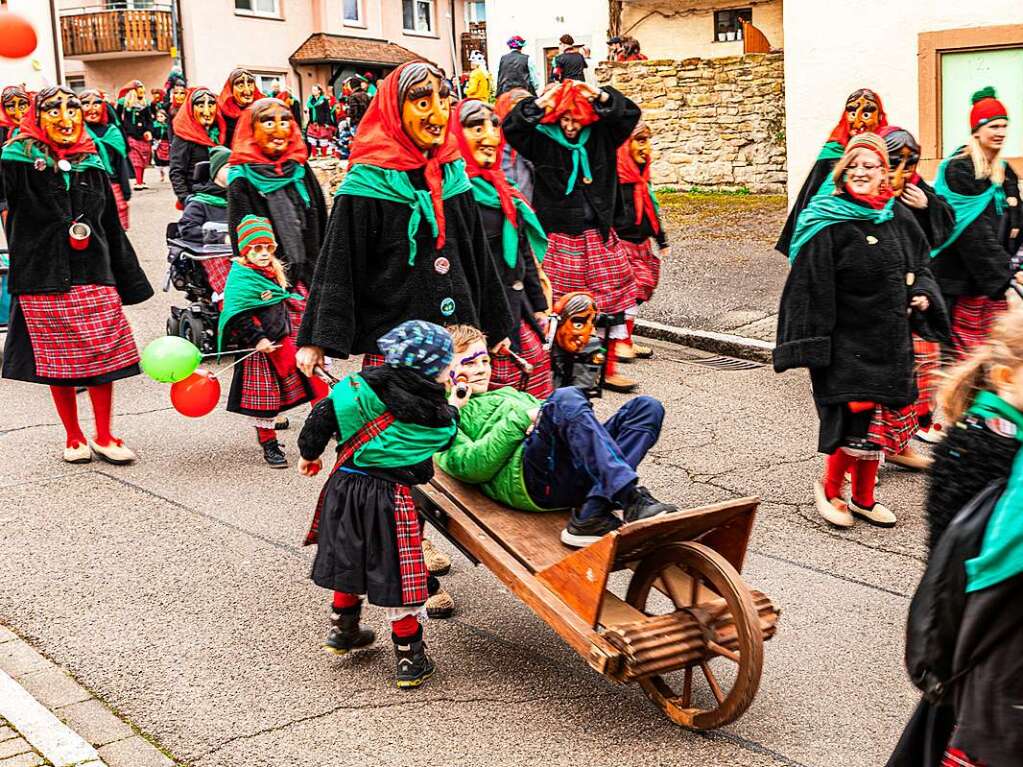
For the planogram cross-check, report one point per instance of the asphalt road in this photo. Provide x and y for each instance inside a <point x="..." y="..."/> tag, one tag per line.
<point x="177" y="590"/>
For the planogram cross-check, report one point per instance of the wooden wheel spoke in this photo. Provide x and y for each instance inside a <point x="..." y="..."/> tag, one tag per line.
<point x="713" y="682"/>
<point x="669" y="586"/>
<point x="724" y="652"/>
<point x="687" y="688"/>
<point x="694" y="587"/>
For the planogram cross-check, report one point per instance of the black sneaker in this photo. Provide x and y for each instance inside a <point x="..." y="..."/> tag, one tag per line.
<point x="273" y="454"/>
<point x="346" y="634"/>
<point x="642" y="505"/>
<point x="414" y="665"/>
<point x="582" y="532"/>
<point x="281" y="423"/>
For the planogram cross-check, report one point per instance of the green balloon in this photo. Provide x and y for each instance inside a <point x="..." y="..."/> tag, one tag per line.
<point x="170" y="359"/>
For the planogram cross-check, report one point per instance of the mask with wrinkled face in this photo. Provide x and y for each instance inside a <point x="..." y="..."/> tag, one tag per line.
<point x="640" y="149"/>
<point x="425" y="112"/>
<point x="484" y="136"/>
<point x="15" y="108"/>
<point x="92" y="108"/>
<point x="178" y="95"/>
<point x="205" y="110"/>
<point x="863" y="114"/>
<point x="60" y="116"/>
<point x="272" y="130"/>
<point x="574" y="330"/>
<point x="903" y="171"/>
<point x="243" y="88"/>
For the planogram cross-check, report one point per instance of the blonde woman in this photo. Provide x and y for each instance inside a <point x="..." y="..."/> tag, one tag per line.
<point x="136" y="117"/>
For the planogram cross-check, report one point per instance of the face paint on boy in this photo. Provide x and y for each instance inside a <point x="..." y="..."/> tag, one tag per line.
<point x="640" y="149"/>
<point x="61" y="117"/>
<point x="261" y="254"/>
<point x="472" y="365"/>
<point x="244" y="89"/>
<point x="425" y="112"/>
<point x="272" y="130"/>
<point x="484" y="136"/>
<point x="205" y="110"/>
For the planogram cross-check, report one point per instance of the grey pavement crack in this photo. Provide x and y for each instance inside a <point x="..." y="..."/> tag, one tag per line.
<point x="27" y="427"/>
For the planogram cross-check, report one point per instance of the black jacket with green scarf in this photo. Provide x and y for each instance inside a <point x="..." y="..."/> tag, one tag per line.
<point x="587" y="206"/>
<point x="42" y="209"/>
<point x="184" y="156"/>
<point x="113" y="150"/>
<point x="521" y="281"/>
<point x="364" y="285"/>
<point x="299" y="227"/>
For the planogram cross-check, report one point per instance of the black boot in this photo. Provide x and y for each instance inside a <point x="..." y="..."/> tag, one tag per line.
<point x="414" y="665"/>
<point x="640" y="504"/>
<point x="345" y="632"/>
<point x="273" y="454"/>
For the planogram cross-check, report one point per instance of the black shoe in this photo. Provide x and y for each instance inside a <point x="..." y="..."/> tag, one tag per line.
<point x="273" y="454"/>
<point x="582" y="532"/>
<point x="642" y="505"/>
<point x="414" y="665"/>
<point x="282" y="423"/>
<point x="346" y="634"/>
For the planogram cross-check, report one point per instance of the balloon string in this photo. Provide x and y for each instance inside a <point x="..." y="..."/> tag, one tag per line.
<point x="232" y="351"/>
<point x="240" y="359"/>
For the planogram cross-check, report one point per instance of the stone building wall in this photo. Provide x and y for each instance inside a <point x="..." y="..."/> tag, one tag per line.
<point x="717" y="123"/>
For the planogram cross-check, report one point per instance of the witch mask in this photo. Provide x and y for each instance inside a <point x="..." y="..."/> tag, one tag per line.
<point x="60" y="116"/>
<point x="903" y="156"/>
<point x="640" y="149"/>
<point x="15" y="106"/>
<point x="243" y="88"/>
<point x="862" y="112"/>
<point x="577" y="316"/>
<point x="204" y="107"/>
<point x="271" y="128"/>
<point x="93" y="106"/>
<point x="482" y="132"/>
<point x="425" y="110"/>
<point x="178" y="95"/>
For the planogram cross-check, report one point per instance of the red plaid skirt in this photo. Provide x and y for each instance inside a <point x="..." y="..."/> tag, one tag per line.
<point x="80" y="333"/>
<point x="927" y="358"/>
<point x="972" y="318"/>
<point x="891" y="430"/>
<point x="140" y="152"/>
<point x="505" y="372"/>
<point x="320" y="131"/>
<point x="586" y="262"/>
<point x="216" y="272"/>
<point x="956" y="758"/>
<point x="410" y="548"/>
<point x="122" y="205"/>
<point x="163" y="151"/>
<point x="646" y="267"/>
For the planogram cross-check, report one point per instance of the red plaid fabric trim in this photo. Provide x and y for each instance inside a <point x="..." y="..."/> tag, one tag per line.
<point x="504" y="371"/>
<point x="216" y="272"/>
<point x="891" y="430"/>
<point x="646" y="267"/>
<point x="411" y="563"/>
<point x="140" y="152"/>
<point x="369" y="431"/>
<point x="80" y="333"/>
<point x="163" y="150"/>
<point x="927" y="359"/>
<point x="122" y="206"/>
<point x="972" y="318"/>
<point x="372" y="361"/>
<point x="586" y="262"/>
<point x="319" y="131"/>
<point x="263" y="390"/>
<point x="956" y="758"/>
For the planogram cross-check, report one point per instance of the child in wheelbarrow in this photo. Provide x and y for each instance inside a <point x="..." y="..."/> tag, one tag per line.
<point x="388" y="421"/>
<point x="538" y="455"/>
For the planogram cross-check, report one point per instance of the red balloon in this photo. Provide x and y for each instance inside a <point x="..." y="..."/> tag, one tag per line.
<point x="196" y="395"/>
<point x="17" y="35"/>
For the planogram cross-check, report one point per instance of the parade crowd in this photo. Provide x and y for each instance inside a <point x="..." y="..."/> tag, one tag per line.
<point x="487" y="257"/>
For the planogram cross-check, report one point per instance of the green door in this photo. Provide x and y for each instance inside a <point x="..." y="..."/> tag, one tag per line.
<point x="964" y="73"/>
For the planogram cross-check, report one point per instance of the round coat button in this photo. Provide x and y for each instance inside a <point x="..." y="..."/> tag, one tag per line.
<point x="447" y="307"/>
<point x="517" y="285"/>
<point x="442" y="265"/>
<point x="64" y="165"/>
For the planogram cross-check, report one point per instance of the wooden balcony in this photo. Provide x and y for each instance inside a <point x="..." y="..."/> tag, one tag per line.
<point x="99" y="34"/>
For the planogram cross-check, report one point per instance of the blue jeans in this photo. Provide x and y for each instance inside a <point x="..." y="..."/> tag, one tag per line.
<point x="571" y="460"/>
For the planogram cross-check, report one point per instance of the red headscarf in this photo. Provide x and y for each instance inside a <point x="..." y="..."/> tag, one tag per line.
<point x="30" y="128"/>
<point x="7" y="93"/>
<point x="629" y="173"/>
<point x="568" y="99"/>
<point x="382" y="141"/>
<point x="129" y="87"/>
<point x="187" y="125"/>
<point x="506" y="193"/>
<point x="244" y="148"/>
<point x="228" y="105"/>
<point x="841" y="130"/>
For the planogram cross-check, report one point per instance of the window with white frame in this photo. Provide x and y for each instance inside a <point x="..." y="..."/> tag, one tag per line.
<point x="417" y="15"/>
<point x="351" y="12"/>
<point x="76" y="82"/>
<point x="475" y="11"/>
<point x="271" y="82"/>
<point x="270" y="8"/>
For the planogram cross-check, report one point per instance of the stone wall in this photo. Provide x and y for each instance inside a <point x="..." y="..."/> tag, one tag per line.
<point x="329" y="172"/>
<point x="717" y="123"/>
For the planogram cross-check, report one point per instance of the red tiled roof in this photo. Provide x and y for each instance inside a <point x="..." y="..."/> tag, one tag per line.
<point x="322" y="48"/>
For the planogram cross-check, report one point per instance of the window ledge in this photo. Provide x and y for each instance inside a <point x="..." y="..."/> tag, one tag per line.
<point x="415" y="33"/>
<point x="353" y="24"/>
<point x="255" y="15"/>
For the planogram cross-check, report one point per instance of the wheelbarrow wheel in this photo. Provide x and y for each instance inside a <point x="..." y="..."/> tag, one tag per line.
<point x="709" y="579"/>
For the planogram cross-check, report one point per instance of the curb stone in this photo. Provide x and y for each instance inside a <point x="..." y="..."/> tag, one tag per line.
<point x="708" y="341"/>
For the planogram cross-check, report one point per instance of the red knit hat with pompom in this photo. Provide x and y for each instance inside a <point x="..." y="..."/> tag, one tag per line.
<point x="986" y="107"/>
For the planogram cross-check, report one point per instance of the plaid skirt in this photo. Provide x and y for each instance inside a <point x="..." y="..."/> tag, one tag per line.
<point x="891" y="430"/>
<point x="972" y="318"/>
<point x="77" y="337"/>
<point x="139" y="153"/>
<point x="505" y="372"/>
<point x="587" y="262"/>
<point x="122" y="205"/>
<point x="161" y="152"/>
<point x="319" y="131"/>
<point x="372" y="361"/>
<point x="216" y="272"/>
<point x="646" y="268"/>
<point x="927" y="359"/>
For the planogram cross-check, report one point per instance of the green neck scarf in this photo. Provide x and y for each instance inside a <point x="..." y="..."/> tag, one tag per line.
<point x="824" y="210"/>
<point x="247" y="289"/>
<point x="1001" y="553"/>
<point x="111" y="141"/>
<point x="832" y="150"/>
<point x="15" y="151"/>
<point x="486" y="195"/>
<point x="217" y="201"/>
<point x="395" y="186"/>
<point x="580" y="158"/>
<point x="269" y="184"/>
<point x="312" y="103"/>
<point x="967" y="207"/>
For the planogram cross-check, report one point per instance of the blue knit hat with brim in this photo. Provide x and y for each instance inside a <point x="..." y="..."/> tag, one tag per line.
<point x="422" y="346"/>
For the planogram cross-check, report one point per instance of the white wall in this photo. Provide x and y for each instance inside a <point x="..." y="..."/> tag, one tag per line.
<point x="542" y="22"/>
<point x="38" y="69"/>
<point x="833" y="48"/>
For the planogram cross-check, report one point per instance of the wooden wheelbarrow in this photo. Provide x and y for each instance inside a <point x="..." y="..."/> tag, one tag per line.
<point x="687" y="615"/>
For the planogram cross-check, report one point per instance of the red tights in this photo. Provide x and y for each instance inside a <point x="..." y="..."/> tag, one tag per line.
<point x="612" y="357"/>
<point x="66" y="401"/>
<point x="403" y="628"/>
<point x="864" y="475"/>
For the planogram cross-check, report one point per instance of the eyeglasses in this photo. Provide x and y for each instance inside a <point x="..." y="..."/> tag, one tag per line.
<point x="868" y="167"/>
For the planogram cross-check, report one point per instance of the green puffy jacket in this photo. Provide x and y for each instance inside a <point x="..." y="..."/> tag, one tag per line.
<point x="487" y="450"/>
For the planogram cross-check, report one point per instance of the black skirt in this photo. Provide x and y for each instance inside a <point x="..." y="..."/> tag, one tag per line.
<point x="358" y="544"/>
